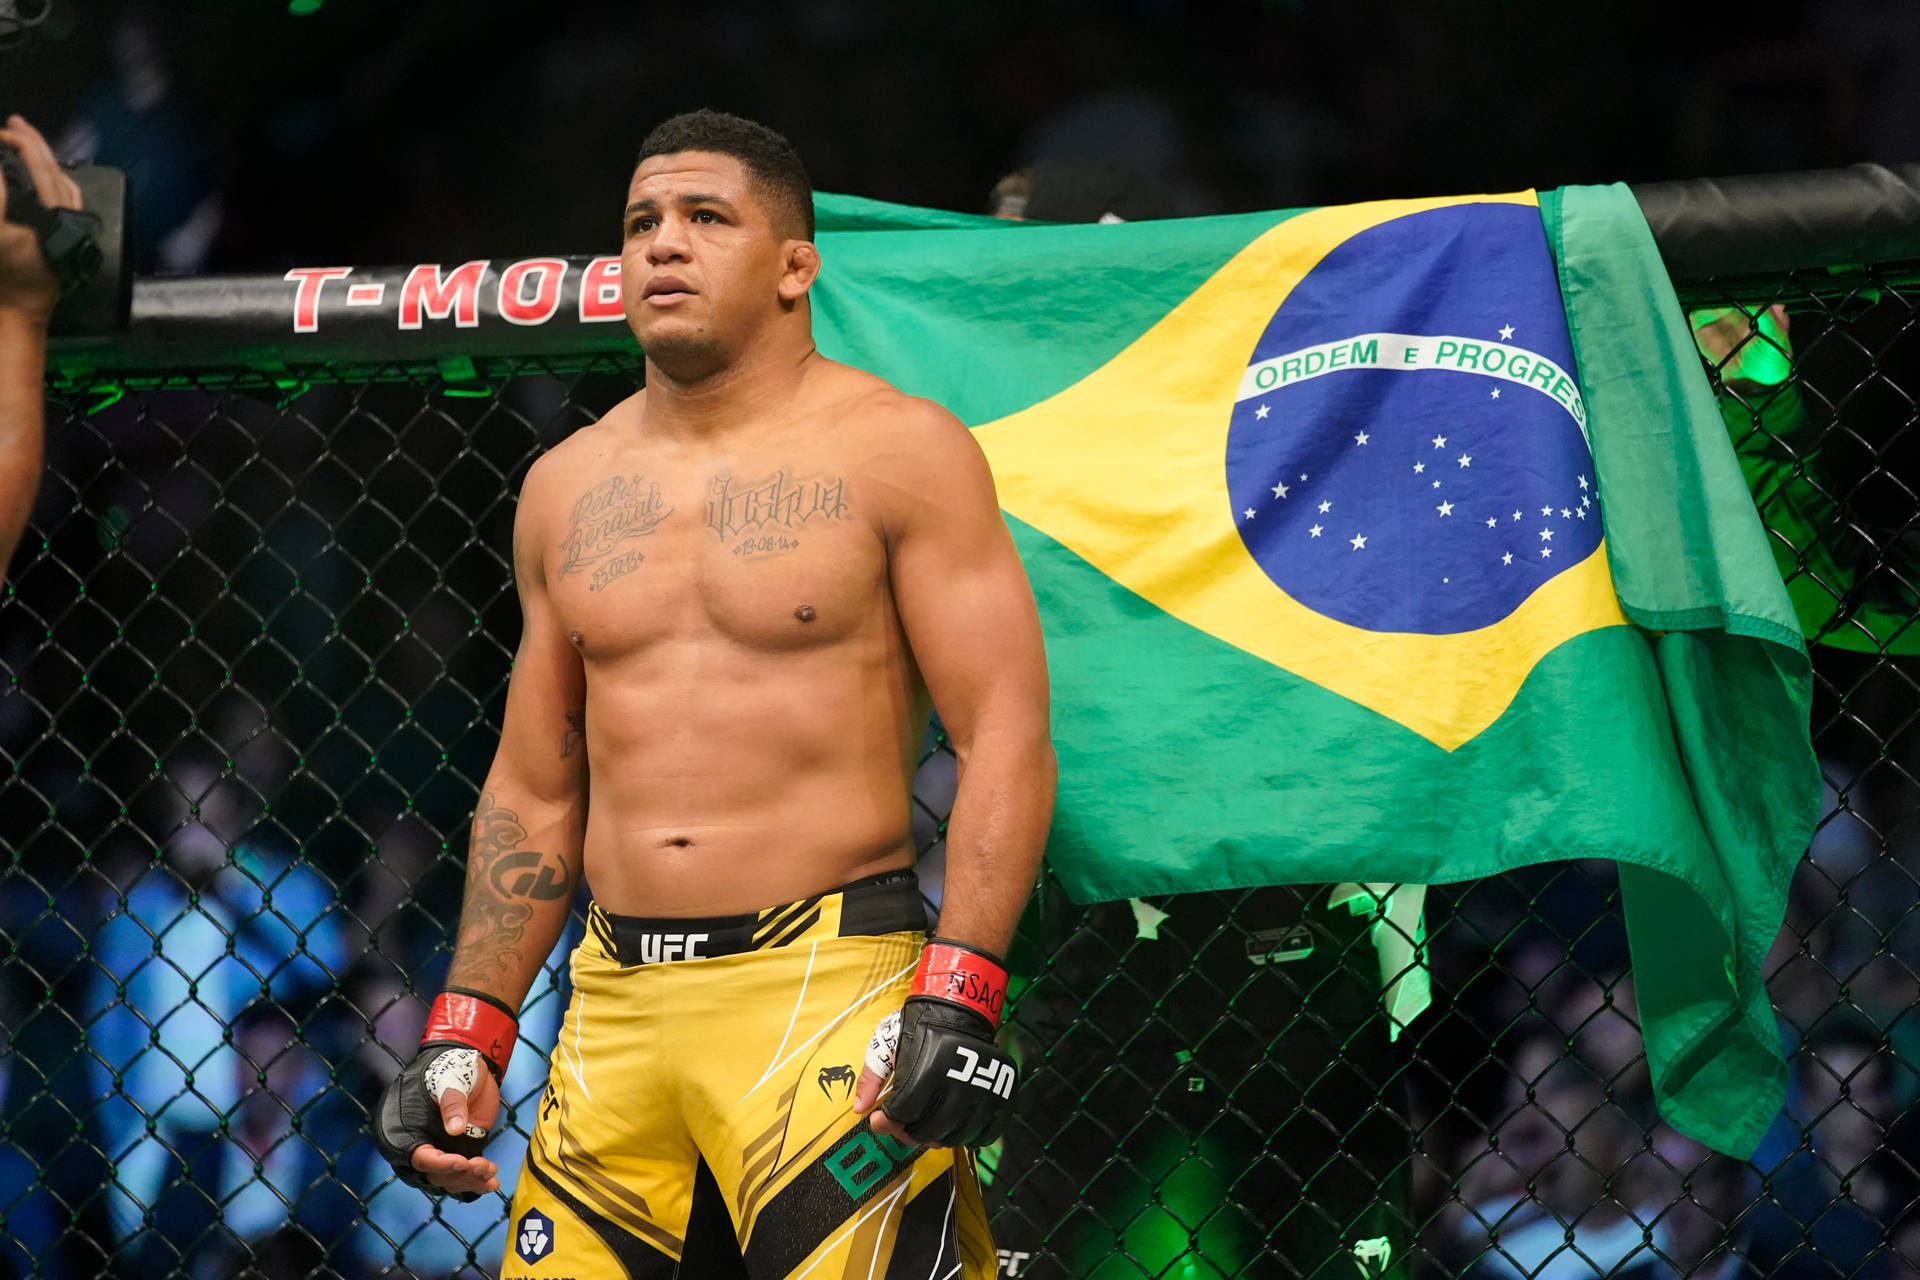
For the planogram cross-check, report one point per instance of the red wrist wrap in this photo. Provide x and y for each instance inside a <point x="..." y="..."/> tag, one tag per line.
<point x="963" y="976"/>
<point x="474" y="1023"/>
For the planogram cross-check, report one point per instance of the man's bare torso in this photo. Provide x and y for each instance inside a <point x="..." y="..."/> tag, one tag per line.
<point x="753" y="714"/>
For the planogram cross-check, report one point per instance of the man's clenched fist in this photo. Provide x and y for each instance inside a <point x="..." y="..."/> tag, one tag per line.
<point x="952" y="1085"/>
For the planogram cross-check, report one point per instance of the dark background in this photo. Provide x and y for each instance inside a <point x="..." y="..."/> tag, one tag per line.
<point x="371" y="131"/>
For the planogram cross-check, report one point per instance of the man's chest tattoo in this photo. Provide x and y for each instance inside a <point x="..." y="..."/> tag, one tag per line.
<point x="604" y="519"/>
<point x="763" y="517"/>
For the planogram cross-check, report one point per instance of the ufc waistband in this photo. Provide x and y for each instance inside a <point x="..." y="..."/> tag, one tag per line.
<point x="886" y="903"/>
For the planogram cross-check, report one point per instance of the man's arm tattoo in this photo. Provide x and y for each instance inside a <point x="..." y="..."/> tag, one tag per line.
<point x="488" y="947"/>
<point x="504" y="880"/>
<point x="576" y="735"/>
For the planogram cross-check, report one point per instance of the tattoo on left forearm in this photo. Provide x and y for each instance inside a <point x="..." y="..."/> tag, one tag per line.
<point x="504" y="880"/>
<point x="488" y="947"/>
<point x="495" y="831"/>
<point x="529" y="874"/>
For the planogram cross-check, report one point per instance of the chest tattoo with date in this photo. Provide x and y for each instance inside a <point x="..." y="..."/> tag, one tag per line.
<point x="604" y="521"/>
<point x="762" y="517"/>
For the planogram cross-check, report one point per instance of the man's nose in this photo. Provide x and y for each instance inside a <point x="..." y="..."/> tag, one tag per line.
<point x="668" y="242"/>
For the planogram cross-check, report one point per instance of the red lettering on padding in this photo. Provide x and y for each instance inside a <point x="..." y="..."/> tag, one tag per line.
<point x="458" y="295"/>
<point x="515" y="307"/>
<point x="600" y="291"/>
<point x="306" y="302"/>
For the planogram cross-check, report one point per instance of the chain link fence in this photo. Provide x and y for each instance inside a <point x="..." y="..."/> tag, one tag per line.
<point x="255" y="649"/>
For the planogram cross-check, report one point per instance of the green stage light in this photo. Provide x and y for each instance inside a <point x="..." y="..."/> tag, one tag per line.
<point x="301" y="8"/>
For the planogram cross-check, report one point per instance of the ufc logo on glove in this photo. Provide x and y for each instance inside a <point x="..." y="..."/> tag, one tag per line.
<point x="995" y="1076"/>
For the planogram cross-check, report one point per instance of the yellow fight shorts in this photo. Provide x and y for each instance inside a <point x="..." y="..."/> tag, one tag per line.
<point x="698" y="1118"/>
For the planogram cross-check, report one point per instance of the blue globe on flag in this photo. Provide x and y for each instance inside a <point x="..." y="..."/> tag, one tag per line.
<point x="1408" y="450"/>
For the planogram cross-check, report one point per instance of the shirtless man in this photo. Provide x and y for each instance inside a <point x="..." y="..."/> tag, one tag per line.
<point x="743" y="592"/>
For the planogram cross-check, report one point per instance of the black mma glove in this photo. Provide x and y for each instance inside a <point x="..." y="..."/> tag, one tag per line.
<point x="68" y="237"/>
<point x="951" y="1083"/>
<point x="464" y="1029"/>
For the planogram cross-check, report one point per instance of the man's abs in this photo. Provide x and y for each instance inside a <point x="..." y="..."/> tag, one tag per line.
<point x="722" y="793"/>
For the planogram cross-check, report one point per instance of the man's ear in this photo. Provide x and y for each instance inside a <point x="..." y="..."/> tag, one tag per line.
<point x="802" y="269"/>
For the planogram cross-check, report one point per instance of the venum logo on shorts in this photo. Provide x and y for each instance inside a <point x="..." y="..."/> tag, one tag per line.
<point x="836" y="1075"/>
<point x="533" y="1236"/>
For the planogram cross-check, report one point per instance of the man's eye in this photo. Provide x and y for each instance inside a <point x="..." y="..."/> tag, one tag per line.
<point x="706" y="215"/>
<point x="639" y="225"/>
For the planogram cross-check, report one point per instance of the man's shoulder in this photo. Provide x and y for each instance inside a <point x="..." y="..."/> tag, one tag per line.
<point x="870" y="397"/>
<point x="892" y="422"/>
<point x="563" y="462"/>
<point x="915" y="457"/>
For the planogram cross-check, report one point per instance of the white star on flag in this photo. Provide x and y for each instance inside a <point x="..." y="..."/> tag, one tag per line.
<point x="1280" y="490"/>
<point x="1359" y="541"/>
<point x="1314" y="532"/>
<point x="1507" y="558"/>
<point x="1583" y="482"/>
<point x="1564" y="513"/>
<point x="1439" y="442"/>
<point x="1303" y="477"/>
<point x="1418" y="467"/>
<point x="1325" y="507"/>
<point x="1546" y="553"/>
<point x="1445" y="508"/>
<point x="1466" y="459"/>
<point x="1546" y="535"/>
<point x="1361" y="438"/>
<point x="1496" y="393"/>
<point x="1249" y="513"/>
<point x="1491" y="522"/>
<point x="1516" y="515"/>
<point x="1582" y="513"/>
<point x="1546" y="511"/>
<point x="1261" y="412"/>
<point x="1506" y="332"/>
<point x="1436" y="484"/>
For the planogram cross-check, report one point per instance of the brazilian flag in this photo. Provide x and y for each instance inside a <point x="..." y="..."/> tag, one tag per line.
<point x="1396" y="542"/>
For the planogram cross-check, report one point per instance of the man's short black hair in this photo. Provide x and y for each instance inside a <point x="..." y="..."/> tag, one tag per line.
<point x="770" y="160"/>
